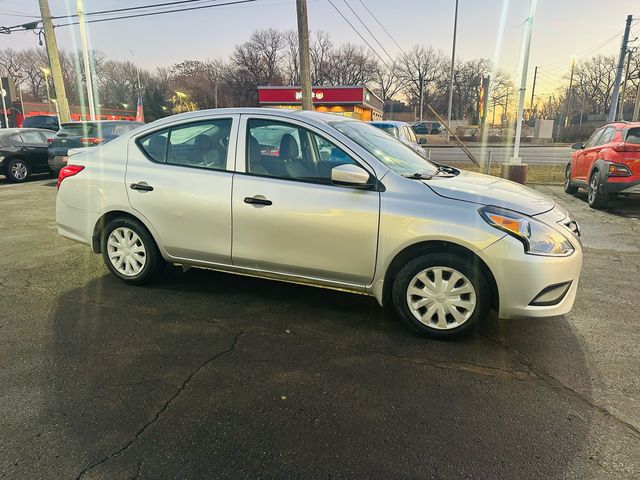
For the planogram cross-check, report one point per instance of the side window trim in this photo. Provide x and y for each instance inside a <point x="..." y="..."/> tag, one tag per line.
<point x="231" y="147"/>
<point x="241" y="152"/>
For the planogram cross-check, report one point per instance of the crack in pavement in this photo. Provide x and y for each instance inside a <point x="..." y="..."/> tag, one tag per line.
<point x="166" y="404"/>
<point x="555" y="384"/>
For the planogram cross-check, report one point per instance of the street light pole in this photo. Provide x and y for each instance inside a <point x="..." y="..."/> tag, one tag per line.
<point x="305" y="62"/>
<point x="514" y="169"/>
<point x="85" y="58"/>
<point x="46" y="72"/>
<point x="4" y="106"/>
<point x="453" y="61"/>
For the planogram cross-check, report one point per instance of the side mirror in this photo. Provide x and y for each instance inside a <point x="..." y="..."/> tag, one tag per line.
<point x="422" y="141"/>
<point x="578" y="146"/>
<point x="349" y="175"/>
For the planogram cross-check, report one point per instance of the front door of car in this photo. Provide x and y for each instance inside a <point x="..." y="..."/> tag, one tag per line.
<point x="288" y="217"/>
<point x="584" y="157"/>
<point x="179" y="179"/>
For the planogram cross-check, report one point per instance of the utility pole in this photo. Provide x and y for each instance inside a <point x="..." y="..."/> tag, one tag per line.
<point x="616" y="86"/>
<point x="624" y="84"/>
<point x="533" y="90"/>
<point x="85" y="59"/>
<point x="515" y="169"/>
<point x="420" y="78"/>
<point x="453" y="62"/>
<point x="305" y="62"/>
<point x="3" y="92"/>
<point x="567" y="115"/>
<point x="54" y="62"/>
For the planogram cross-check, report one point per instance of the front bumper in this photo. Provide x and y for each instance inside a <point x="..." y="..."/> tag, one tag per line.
<point x="521" y="278"/>
<point x="58" y="162"/>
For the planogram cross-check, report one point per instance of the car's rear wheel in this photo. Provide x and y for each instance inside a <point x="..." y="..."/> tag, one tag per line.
<point x="595" y="197"/>
<point x="569" y="187"/>
<point x="441" y="295"/>
<point x="129" y="251"/>
<point x="17" y="170"/>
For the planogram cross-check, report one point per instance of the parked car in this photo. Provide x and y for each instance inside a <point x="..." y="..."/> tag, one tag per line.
<point x="23" y="151"/>
<point x="343" y="205"/>
<point x="48" y="122"/>
<point x="82" y="135"/>
<point x="403" y="132"/>
<point x="427" y="128"/>
<point x="607" y="164"/>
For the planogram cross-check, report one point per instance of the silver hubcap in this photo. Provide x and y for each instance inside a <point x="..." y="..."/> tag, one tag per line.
<point x="126" y="251"/>
<point x="441" y="297"/>
<point x="19" y="171"/>
<point x="593" y="189"/>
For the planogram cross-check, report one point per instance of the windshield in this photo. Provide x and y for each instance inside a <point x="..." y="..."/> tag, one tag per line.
<point x="393" y="153"/>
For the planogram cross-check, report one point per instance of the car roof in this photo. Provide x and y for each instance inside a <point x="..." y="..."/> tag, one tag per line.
<point x="395" y="123"/>
<point x="308" y="116"/>
<point x="623" y="124"/>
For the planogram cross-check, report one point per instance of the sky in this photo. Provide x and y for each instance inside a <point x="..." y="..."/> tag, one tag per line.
<point x="561" y="29"/>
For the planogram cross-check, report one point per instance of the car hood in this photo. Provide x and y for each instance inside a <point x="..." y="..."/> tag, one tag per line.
<point x="488" y="190"/>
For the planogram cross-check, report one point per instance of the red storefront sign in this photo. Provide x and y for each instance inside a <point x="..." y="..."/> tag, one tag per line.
<point x="320" y="95"/>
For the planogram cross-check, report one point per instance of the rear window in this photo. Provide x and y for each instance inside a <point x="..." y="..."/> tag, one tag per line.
<point x="633" y="136"/>
<point x="82" y="129"/>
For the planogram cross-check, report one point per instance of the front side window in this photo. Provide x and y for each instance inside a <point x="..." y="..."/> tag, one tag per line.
<point x="394" y="154"/>
<point x="283" y="150"/>
<point x="593" y="139"/>
<point x="607" y="135"/>
<point x="420" y="128"/>
<point x="201" y="144"/>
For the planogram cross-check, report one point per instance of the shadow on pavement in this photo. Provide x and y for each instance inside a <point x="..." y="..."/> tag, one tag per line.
<point x="205" y="374"/>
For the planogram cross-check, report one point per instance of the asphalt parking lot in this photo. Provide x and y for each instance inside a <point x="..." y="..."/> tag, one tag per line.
<point x="207" y="375"/>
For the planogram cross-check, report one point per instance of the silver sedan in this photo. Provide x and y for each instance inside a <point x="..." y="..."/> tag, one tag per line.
<point x="321" y="200"/>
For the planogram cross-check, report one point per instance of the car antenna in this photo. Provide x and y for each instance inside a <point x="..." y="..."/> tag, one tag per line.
<point x="462" y="146"/>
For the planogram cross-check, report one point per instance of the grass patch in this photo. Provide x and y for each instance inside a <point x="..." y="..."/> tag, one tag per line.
<point x="541" y="174"/>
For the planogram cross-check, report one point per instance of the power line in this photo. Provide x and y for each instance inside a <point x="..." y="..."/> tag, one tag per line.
<point x="128" y="9"/>
<point x="367" y="29"/>
<point x="147" y="14"/>
<point x="359" y="34"/>
<point x="382" y="26"/>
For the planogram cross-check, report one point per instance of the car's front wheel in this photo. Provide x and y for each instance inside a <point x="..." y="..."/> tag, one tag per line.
<point x="129" y="251"/>
<point x="441" y="295"/>
<point x="17" y="170"/>
<point x="595" y="197"/>
<point x="569" y="187"/>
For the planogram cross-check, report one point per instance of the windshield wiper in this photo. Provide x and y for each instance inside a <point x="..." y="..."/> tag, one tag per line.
<point x="419" y="176"/>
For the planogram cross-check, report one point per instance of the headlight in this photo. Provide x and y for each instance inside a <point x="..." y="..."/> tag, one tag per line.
<point x="538" y="238"/>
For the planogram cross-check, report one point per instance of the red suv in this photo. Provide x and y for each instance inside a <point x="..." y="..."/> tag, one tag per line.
<point x="607" y="164"/>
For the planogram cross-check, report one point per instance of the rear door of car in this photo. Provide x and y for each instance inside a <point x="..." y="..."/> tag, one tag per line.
<point x="180" y="182"/>
<point x="34" y="145"/>
<point x="287" y="215"/>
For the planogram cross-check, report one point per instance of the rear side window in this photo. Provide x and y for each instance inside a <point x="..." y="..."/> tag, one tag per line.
<point x="421" y="129"/>
<point x="201" y="144"/>
<point x="633" y="136"/>
<point x="155" y="145"/>
<point x="31" y="137"/>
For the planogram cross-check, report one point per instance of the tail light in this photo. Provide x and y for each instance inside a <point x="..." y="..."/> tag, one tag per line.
<point x="617" y="170"/>
<point x="626" y="147"/>
<point x="68" y="171"/>
<point x="91" y="140"/>
<point x="50" y="140"/>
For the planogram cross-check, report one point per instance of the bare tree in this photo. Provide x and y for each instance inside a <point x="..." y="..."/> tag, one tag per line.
<point x="387" y="83"/>
<point x="418" y="66"/>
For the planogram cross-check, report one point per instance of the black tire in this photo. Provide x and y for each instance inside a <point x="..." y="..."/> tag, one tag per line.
<point x="153" y="261"/>
<point x="595" y="197"/>
<point x="471" y="270"/>
<point x="14" y="168"/>
<point x="569" y="187"/>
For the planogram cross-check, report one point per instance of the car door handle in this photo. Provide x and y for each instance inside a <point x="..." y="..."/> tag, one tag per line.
<point x="142" y="186"/>
<point x="257" y="201"/>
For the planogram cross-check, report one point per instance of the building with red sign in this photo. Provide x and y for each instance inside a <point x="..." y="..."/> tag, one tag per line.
<point x="352" y="101"/>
